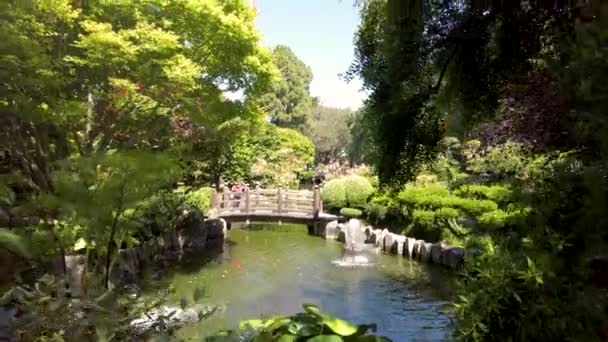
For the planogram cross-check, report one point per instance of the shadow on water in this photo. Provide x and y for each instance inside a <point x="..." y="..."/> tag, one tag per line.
<point x="269" y="269"/>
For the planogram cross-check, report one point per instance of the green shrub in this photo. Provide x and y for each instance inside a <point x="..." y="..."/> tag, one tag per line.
<point x="414" y="194"/>
<point x="350" y="191"/>
<point x="424" y="226"/>
<point x="155" y="214"/>
<point x="384" y="209"/>
<point x="445" y="214"/>
<point x="200" y="199"/>
<point x="476" y="207"/>
<point x="482" y="245"/>
<point x="496" y="193"/>
<point x="358" y="190"/>
<point x="501" y="161"/>
<point x="424" y="217"/>
<point x="334" y="195"/>
<point x="351" y="212"/>
<point x="376" y="212"/>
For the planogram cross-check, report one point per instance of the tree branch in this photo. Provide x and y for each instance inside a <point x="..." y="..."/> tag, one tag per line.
<point x="435" y="89"/>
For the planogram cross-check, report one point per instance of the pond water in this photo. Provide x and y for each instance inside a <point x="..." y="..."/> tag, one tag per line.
<point x="269" y="269"/>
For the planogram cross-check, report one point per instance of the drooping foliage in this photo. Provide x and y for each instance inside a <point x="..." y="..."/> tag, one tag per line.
<point x="431" y="62"/>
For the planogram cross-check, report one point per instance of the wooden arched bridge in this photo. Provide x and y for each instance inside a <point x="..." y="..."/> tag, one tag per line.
<point x="263" y="205"/>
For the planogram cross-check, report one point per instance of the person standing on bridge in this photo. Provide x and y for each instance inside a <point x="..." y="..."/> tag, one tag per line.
<point x="236" y="194"/>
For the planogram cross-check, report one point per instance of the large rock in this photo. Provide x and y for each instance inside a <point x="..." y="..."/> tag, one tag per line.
<point x="7" y="324"/>
<point x="74" y="268"/>
<point x="378" y="238"/>
<point x="425" y="252"/>
<point x="216" y="228"/>
<point x="192" y="233"/>
<point x="331" y="230"/>
<point x="341" y="232"/>
<point x="384" y="233"/>
<point x="394" y="243"/>
<point x="417" y="249"/>
<point x="437" y="252"/>
<point x="389" y="241"/>
<point x="453" y="257"/>
<point x="370" y="236"/>
<point x="398" y="244"/>
<point x="126" y="269"/>
<point x="171" y="241"/>
<point x="168" y="318"/>
<point x="408" y="247"/>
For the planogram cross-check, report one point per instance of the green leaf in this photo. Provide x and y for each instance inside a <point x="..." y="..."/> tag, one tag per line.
<point x="463" y="299"/>
<point x="483" y="327"/>
<point x="80" y="244"/>
<point x="263" y="324"/>
<point x="337" y="325"/>
<point x="312" y="309"/>
<point x="371" y="339"/>
<point x="326" y="338"/>
<point x="286" y="338"/>
<point x="253" y="323"/>
<point x="517" y="298"/>
<point x="14" y="243"/>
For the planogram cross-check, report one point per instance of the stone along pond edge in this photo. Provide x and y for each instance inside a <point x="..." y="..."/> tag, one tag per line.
<point x="432" y="253"/>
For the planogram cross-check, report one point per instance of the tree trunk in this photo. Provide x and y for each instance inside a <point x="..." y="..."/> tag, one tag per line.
<point x="112" y="233"/>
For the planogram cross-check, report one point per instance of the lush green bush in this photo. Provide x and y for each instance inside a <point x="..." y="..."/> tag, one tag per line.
<point x="496" y="193"/>
<point x="480" y="245"/>
<point x="349" y="191"/>
<point x="200" y="199"/>
<point x="156" y="214"/>
<point x="445" y="214"/>
<point x="351" y="212"/>
<point x="500" y="162"/>
<point x="358" y="190"/>
<point x="424" y="226"/>
<point x="384" y="209"/>
<point x="475" y="207"/>
<point x="334" y="194"/>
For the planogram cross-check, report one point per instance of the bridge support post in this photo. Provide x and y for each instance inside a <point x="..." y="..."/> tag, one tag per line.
<point x="317" y="204"/>
<point x="213" y="199"/>
<point x="247" y="201"/>
<point x="279" y="200"/>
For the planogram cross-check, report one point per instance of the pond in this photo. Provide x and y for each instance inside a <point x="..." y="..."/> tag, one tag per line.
<point x="270" y="269"/>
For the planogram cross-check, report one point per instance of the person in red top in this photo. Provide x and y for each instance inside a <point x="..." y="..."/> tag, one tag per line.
<point x="236" y="190"/>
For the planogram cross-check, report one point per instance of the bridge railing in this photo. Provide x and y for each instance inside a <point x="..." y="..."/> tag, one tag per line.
<point x="267" y="202"/>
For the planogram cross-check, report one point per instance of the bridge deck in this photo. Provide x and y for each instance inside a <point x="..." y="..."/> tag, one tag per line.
<point x="301" y="206"/>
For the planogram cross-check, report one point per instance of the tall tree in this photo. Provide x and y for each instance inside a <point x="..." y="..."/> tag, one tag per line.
<point x="328" y="129"/>
<point x="411" y="55"/>
<point x="288" y="103"/>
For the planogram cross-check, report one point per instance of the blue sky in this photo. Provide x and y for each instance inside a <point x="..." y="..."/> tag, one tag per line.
<point x="320" y="33"/>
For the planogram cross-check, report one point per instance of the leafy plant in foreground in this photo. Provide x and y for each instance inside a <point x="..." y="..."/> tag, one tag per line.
<point x="313" y="325"/>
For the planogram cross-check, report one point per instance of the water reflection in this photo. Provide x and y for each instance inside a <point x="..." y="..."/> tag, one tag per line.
<point x="277" y="269"/>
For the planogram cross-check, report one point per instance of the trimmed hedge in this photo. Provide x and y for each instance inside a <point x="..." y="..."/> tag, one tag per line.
<point x="351" y="212"/>
<point x="334" y="194"/>
<point x="350" y="191"/>
<point x="496" y="193"/>
<point x="358" y="190"/>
